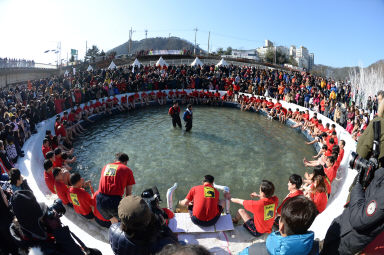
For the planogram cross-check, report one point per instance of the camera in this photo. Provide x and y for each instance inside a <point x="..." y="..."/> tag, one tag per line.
<point x="56" y="210"/>
<point x="365" y="167"/>
<point x="152" y="198"/>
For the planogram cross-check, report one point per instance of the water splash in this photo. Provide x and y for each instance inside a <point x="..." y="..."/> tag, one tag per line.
<point x="365" y="82"/>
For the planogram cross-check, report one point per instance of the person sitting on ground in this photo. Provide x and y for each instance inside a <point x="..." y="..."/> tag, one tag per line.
<point x="48" y="176"/>
<point x="293" y="237"/>
<point x="318" y="193"/>
<point x="139" y="231"/>
<point x="46" y="147"/>
<point x="294" y="185"/>
<point x="81" y="200"/>
<point x="61" y="189"/>
<point x="322" y="157"/>
<point x="264" y="210"/>
<point x="203" y="203"/>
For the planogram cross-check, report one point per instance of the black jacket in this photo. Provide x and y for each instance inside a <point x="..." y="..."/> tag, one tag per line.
<point x="360" y="222"/>
<point x="121" y="244"/>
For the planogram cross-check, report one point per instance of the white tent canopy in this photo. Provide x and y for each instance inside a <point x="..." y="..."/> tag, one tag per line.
<point x="222" y="63"/>
<point x="112" y="65"/>
<point x="90" y="68"/>
<point x="136" y="63"/>
<point x="66" y="73"/>
<point x="197" y="62"/>
<point x="161" y="62"/>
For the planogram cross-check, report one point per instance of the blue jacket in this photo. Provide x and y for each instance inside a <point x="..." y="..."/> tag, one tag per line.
<point x="293" y="244"/>
<point x="187" y="116"/>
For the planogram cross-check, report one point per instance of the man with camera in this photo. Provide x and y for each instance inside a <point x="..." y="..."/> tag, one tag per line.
<point x="38" y="225"/>
<point x="363" y="218"/>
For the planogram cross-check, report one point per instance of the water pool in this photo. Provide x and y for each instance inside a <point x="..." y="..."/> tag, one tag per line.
<point x="238" y="148"/>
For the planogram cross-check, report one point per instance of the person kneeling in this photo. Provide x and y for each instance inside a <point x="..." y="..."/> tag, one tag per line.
<point x="205" y="210"/>
<point x="293" y="237"/>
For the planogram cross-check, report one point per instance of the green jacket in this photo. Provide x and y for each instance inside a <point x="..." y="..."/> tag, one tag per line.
<point x="364" y="145"/>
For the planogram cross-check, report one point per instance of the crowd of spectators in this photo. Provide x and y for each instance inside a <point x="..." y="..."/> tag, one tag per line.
<point x="13" y="62"/>
<point x="25" y="105"/>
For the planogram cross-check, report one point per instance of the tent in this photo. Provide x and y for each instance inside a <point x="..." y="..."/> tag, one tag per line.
<point x="161" y="62"/>
<point x="112" y="65"/>
<point x="66" y="73"/>
<point x="197" y="62"/>
<point x="90" y="68"/>
<point x="136" y="63"/>
<point x="222" y="63"/>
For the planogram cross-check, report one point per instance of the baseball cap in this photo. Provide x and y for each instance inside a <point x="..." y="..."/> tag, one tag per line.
<point x="134" y="212"/>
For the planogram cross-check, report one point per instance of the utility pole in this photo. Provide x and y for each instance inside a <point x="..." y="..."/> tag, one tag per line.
<point x="130" y="40"/>
<point x="194" y="50"/>
<point x="169" y="35"/>
<point x="209" y="36"/>
<point x="146" y="33"/>
<point x="86" y="49"/>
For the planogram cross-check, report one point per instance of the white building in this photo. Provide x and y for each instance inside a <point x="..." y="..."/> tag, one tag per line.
<point x="268" y="43"/>
<point x="292" y="51"/>
<point x="248" y="54"/>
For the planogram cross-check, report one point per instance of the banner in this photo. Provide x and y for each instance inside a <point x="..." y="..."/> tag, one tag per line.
<point x="166" y="52"/>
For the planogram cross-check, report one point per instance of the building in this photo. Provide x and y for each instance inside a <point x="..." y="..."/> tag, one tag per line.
<point x="311" y="61"/>
<point x="292" y="51"/>
<point x="302" y="52"/>
<point x="248" y="54"/>
<point x="268" y="44"/>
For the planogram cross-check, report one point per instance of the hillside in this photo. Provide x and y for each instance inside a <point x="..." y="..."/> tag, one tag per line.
<point x="158" y="43"/>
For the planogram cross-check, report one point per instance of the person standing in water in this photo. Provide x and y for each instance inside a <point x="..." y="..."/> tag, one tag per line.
<point x="174" y="112"/>
<point x="187" y="117"/>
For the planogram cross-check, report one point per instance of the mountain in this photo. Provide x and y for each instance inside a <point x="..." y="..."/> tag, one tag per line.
<point x="158" y="43"/>
<point x="342" y="73"/>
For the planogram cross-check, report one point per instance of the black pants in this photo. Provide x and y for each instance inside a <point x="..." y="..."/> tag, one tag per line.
<point x="176" y="120"/>
<point x="188" y="125"/>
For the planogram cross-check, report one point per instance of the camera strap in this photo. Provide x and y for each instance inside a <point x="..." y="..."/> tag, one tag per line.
<point x="376" y="139"/>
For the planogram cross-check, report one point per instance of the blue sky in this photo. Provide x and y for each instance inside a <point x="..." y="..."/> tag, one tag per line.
<point x="338" y="32"/>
